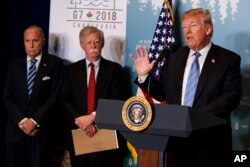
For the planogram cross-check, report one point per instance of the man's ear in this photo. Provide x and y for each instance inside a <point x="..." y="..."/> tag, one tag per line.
<point x="208" y="30"/>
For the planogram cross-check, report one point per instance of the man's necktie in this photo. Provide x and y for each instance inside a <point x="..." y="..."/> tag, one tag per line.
<point x="193" y="78"/>
<point x="91" y="89"/>
<point x="31" y="75"/>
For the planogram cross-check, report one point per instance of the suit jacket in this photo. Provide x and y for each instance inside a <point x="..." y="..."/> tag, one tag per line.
<point x="218" y="91"/>
<point x="39" y="106"/>
<point x="74" y="90"/>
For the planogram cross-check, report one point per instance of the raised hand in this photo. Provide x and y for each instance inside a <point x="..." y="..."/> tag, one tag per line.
<point x="141" y="61"/>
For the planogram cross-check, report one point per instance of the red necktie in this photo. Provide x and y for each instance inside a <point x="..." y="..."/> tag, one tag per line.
<point x="91" y="89"/>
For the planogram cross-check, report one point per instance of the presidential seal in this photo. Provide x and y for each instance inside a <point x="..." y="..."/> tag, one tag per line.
<point x="136" y="113"/>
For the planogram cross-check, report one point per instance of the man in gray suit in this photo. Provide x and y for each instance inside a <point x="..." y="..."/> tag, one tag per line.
<point x="218" y="89"/>
<point x="29" y="97"/>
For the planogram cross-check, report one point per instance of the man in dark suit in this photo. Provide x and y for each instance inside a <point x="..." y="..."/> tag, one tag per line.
<point x="218" y="90"/>
<point x="75" y="87"/>
<point x="30" y="110"/>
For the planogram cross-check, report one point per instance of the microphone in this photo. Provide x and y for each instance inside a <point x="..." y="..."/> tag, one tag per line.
<point x="164" y="55"/>
<point x="166" y="52"/>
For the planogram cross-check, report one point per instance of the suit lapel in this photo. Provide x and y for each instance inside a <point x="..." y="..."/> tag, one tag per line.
<point x="100" y="77"/>
<point x="41" y="72"/>
<point x="23" y="76"/>
<point x="179" y="73"/>
<point x="206" y="72"/>
<point x="83" y="82"/>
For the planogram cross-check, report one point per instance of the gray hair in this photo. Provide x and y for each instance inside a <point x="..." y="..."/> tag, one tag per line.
<point x="35" y="27"/>
<point x="89" y="30"/>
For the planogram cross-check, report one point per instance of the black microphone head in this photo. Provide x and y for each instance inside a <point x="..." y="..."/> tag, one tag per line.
<point x="165" y="53"/>
<point x="168" y="50"/>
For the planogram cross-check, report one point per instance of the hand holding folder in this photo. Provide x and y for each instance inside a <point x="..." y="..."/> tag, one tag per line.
<point x="103" y="140"/>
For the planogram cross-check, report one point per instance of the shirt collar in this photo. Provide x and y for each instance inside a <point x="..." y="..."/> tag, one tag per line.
<point x="203" y="51"/>
<point x="38" y="58"/>
<point x="96" y="63"/>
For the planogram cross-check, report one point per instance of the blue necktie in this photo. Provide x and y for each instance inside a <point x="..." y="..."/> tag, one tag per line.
<point x="193" y="78"/>
<point x="31" y="75"/>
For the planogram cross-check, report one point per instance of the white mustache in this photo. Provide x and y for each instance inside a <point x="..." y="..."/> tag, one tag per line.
<point x="94" y="50"/>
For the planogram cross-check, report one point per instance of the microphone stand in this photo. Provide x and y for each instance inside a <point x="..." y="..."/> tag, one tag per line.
<point x="163" y="55"/>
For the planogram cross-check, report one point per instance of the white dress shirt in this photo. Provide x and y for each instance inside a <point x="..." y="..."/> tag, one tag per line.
<point x="190" y="59"/>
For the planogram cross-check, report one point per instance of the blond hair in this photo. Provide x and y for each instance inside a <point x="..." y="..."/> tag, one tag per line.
<point x="202" y="13"/>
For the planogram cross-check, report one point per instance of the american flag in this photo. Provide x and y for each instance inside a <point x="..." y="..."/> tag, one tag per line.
<point x="163" y="37"/>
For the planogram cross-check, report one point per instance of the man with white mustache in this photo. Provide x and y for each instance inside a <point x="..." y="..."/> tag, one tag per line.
<point x="74" y="93"/>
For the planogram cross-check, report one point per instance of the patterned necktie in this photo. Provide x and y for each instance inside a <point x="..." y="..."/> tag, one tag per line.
<point x="193" y="78"/>
<point x="91" y="89"/>
<point x="31" y="75"/>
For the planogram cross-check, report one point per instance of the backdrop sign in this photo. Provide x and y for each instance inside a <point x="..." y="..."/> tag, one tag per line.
<point x="67" y="18"/>
<point x="231" y="30"/>
<point x="131" y="24"/>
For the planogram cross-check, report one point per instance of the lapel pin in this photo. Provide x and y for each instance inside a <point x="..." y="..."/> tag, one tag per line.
<point x="213" y="61"/>
<point x="44" y="65"/>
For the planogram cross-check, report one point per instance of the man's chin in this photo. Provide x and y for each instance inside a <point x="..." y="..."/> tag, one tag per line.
<point x="33" y="55"/>
<point x="94" y="56"/>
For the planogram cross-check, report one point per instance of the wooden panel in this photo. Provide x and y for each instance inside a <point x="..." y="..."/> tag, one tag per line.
<point x="148" y="158"/>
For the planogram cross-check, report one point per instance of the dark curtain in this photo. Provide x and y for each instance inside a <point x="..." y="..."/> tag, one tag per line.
<point x="15" y="16"/>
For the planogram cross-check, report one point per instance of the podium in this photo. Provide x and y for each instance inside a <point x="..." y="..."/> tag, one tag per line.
<point x="169" y="122"/>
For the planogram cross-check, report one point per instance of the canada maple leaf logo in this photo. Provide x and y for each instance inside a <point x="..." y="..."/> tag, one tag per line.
<point x="89" y="14"/>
